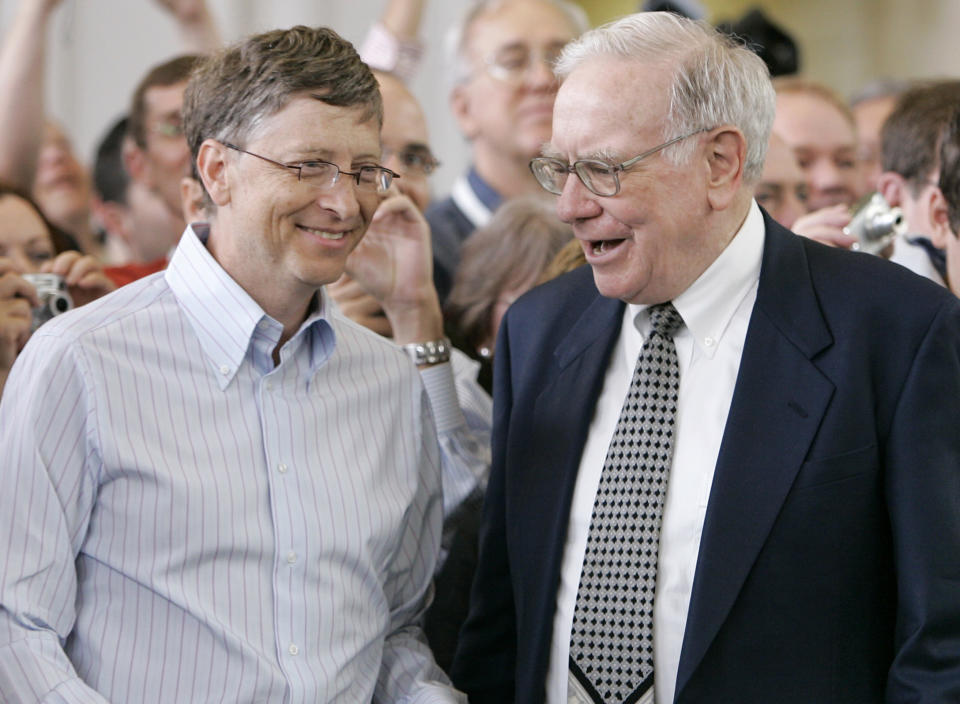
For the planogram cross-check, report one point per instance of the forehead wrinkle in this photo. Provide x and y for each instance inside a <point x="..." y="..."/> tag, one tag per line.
<point x="605" y="155"/>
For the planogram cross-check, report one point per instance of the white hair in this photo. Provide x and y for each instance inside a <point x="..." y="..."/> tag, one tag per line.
<point x="717" y="81"/>
<point x="459" y="63"/>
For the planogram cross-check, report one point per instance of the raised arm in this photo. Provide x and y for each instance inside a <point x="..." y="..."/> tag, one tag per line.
<point x="394" y="264"/>
<point x="22" y="66"/>
<point x="392" y="43"/>
<point x="196" y="24"/>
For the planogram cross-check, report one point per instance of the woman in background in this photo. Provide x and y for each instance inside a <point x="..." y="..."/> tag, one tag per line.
<point x="29" y="245"/>
<point x="498" y="263"/>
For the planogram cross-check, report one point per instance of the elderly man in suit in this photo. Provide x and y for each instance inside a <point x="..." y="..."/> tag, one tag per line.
<point x="726" y="467"/>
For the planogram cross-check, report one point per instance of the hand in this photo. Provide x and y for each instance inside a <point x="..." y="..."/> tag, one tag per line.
<point x="186" y="11"/>
<point x="17" y="300"/>
<point x="83" y="275"/>
<point x="359" y="306"/>
<point x="44" y="7"/>
<point x="394" y="264"/>
<point x="826" y="226"/>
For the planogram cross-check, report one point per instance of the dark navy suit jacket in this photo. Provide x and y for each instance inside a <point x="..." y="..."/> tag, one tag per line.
<point x="829" y="567"/>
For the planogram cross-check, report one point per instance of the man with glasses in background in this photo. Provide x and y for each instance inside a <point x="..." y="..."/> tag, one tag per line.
<point x="501" y="56"/>
<point x="217" y="485"/>
<point x="725" y="467"/>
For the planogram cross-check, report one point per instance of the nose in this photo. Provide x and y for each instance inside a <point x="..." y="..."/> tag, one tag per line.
<point x="20" y="262"/>
<point x="539" y="74"/>
<point x="575" y="202"/>
<point x="341" y="198"/>
<point x="791" y="209"/>
<point x="52" y="154"/>
<point x="828" y="185"/>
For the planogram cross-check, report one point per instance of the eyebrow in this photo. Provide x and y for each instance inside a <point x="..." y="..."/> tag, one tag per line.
<point x="417" y="147"/>
<point x="604" y="155"/>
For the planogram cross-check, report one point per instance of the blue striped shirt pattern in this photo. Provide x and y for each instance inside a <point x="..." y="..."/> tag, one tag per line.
<point x="185" y="522"/>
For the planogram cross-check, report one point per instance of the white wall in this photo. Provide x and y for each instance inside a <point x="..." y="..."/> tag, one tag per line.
<point x="99" y="50"/>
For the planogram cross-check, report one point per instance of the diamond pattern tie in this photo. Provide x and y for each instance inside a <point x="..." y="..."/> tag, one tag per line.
<point x="611" y="645"/>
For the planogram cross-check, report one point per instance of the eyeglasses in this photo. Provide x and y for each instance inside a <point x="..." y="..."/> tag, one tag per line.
<point x="324" y="174"/>
<point x="416" y="160"/>
<point x="512" y="63"/>
<point x="171" y="130"/>
<point x="599" y="177"/>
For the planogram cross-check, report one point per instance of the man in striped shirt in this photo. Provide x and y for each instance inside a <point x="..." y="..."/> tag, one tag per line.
<point x="217" y="488"/>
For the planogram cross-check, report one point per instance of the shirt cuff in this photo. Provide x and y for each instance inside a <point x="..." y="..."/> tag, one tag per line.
<point x="442" y="391"/>
<point x="383" y="51"/>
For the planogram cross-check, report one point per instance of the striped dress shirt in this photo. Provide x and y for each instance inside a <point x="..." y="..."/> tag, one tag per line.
<point x="183" y="521"/>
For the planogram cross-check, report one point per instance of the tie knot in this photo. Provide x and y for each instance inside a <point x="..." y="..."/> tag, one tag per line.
<point x="665" y="319"/>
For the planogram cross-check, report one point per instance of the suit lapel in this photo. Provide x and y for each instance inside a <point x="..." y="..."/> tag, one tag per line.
<point x="562" y="415"/>
<point x="778" y="402"/>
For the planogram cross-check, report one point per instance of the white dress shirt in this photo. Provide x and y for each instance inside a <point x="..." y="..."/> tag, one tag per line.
<point x="184" y="521"/>
<point x="716" y="310"/>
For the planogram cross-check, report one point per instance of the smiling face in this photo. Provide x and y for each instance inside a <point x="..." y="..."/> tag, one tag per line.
<point x="650" y="242"/>
<point x="505" y="118"/>
<point x="281" y="239"/>
<point x="824" y="143"/>
<point x="24" y="237"/>
<point x="61" y="185"/>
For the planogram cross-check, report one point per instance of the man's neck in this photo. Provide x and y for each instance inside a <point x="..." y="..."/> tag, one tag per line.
<point x="509" y="178"/>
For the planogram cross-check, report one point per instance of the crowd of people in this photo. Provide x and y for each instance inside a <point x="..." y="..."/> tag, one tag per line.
<point x="614" y="417"/>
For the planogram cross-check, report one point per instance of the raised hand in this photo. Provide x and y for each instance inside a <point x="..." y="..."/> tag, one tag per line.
<point x="394" y="264"/>
<point x="83" y="275"/>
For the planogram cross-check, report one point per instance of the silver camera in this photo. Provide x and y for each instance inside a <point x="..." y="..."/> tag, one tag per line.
<point x="54" y="299"/>
<point x="874" y="224"/>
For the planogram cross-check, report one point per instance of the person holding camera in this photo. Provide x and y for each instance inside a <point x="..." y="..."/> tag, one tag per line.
<point x="27" y="246"/>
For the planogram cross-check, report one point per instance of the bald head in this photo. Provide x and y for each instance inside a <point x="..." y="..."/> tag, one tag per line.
<point x="406" y="146"/>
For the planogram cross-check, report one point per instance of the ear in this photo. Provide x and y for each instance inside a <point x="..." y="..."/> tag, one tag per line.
<point x="212" y="167"/>
<point x="726" y="152"/>
<point x="939" y="219"/>
<point x="460" y="104"/>
<point x="891" y="186"/>
<point x="135" y="162"/>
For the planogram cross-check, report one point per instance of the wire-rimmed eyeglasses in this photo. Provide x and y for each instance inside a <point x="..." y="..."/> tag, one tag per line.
<point x="325" y="174"/>
<point x="513" y="63"/>
<point x="599" y="177"/>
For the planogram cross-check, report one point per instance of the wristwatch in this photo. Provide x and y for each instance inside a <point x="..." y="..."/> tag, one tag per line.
<point x="431" y="352"/>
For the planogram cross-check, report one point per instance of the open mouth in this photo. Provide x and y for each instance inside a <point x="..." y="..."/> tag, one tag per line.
<point x="598" y="248"/>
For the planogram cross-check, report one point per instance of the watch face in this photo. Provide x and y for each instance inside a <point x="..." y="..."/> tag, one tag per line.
<point x="431" y="352"/>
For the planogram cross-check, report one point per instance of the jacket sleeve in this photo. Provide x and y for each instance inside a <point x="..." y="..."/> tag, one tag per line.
<point x="486" y="654"/>
<point x="923" y="496"/>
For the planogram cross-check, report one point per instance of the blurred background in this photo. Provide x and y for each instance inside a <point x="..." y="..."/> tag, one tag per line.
<point x="101" y="48"/>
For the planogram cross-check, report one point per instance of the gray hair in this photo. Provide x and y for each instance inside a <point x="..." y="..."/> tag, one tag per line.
<point x="456" y="39"/>
<point x="717" y="81"/>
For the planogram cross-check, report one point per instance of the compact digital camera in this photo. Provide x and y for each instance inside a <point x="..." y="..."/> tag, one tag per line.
<point x="874" y="224"/>
<point x="54" y="299"/>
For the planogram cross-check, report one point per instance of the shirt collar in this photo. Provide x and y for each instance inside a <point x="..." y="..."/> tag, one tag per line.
<point x="224" y="316"/>
<point x="483" y="190"/>
<point x="708" y="305"/>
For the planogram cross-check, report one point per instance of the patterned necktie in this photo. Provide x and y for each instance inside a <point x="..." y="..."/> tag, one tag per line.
<point x="611" y="645"/>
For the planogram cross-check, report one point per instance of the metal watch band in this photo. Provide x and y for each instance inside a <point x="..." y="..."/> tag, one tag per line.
<point x="431" y="352"/>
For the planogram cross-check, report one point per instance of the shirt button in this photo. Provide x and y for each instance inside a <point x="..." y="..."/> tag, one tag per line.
<point x="224" y="369"/>
<point x="282" y="468"/>
<point x="267" y="386"/>
<point x="293" y="649"/>
<point x="262" y="324"/>
<point x="291" y="557"/>
<point x="709" y="341"/>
